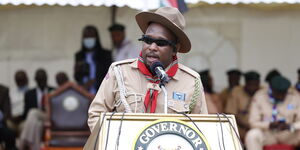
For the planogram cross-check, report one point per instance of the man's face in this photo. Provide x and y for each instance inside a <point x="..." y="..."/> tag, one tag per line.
<point x="234" y="80"/>
<point x="251" y="86"/>
<point x="151" y="52"/>
<point x="117" y="37"/>
<point x="21" y="79"/>
<point x="41" y="79"/>
<point x="279" y="95"/>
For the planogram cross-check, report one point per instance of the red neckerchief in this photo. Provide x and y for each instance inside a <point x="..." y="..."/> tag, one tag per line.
<point x="151" y="93"/>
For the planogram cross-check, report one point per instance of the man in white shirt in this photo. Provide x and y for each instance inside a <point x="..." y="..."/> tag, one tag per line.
<point x="123" y="47"/>
<point x="16" y="94"/>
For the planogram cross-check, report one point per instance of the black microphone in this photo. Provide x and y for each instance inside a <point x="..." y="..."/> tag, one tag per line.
<point x="158" y="69"/>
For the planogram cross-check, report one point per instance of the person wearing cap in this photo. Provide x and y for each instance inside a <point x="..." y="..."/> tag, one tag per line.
<point x="123" y="47"/>
<point x="274" y="116"/>
<point x="240" y="100"/>
<point x="129" y="85"/>
<point x="233" y="77"/>
<point x="272" y="73"/>
<point x="214" y="104"/>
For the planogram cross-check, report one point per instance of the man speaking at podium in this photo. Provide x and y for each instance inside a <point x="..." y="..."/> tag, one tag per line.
<point x="139" y="85"/>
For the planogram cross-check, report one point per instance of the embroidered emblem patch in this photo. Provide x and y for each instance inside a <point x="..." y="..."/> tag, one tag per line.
<point x="178" y="96"/>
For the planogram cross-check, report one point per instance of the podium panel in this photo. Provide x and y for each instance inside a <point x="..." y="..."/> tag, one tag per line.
<point x="166" y="132"/>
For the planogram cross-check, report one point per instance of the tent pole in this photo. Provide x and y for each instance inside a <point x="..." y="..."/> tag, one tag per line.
<point x="113" y="14"/>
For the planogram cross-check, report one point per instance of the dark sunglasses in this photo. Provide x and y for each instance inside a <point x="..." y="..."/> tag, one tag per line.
<point x="158" y="42"/>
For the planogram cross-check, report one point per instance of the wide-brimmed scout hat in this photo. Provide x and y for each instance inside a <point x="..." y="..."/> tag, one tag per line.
<point x="169" y="17"/>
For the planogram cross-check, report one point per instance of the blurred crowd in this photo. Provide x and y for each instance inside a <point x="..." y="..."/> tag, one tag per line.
<point x="264" y="114"/>
<point x="22" y="111"/>
<point x="253" y="105"/>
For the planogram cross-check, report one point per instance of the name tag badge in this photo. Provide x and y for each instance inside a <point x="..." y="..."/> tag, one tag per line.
<point x="290" y="107"/>
<point x="178" y="96"/>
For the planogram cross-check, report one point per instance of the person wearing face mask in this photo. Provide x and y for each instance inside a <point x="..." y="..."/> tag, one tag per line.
<point x="274" y="116"/>
<point x="91" y="61"/>
<point x="15" y="122"/>
<point x="132" y="86"/>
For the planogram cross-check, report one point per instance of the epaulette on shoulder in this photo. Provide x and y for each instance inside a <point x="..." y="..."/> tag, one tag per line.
<point x="126" y="61"/>
<point x="189" y="70"/>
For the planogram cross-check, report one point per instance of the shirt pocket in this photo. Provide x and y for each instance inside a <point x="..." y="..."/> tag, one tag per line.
<point x="178" y="106"/>
<point x="135" y="102"/>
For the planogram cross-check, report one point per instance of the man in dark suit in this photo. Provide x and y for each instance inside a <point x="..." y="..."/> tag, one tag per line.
<point x="5" y="102"/>
<point x="6" y="135"/>
<point x="33" y="112"/>
<point x="33" y="97"/>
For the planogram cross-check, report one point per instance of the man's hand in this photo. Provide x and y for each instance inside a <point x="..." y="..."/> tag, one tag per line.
<point x="283" y="126"/>
<point x="89" y="84"/>
<point x="278" y="125"/>
<point x="274" y="125"/>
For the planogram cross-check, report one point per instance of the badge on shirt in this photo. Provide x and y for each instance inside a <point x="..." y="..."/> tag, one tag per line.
<point x="178" y="96"/>
<point x="107" y="76"/>
<point x="290" y="107"/>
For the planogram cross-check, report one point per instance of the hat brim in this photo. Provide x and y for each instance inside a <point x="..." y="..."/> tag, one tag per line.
<point x="144" y="18"/>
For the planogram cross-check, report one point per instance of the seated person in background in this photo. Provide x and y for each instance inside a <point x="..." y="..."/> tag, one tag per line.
<point x="274" y="116"/>
<point x="33" y="112"/>
<point x="240" y="101"/>
<point x="6" y="135"/>
<point x="297" y="86"/>
<point x="233" y="78"/>
<point x="61" y="78"/>
<point x="15" y="122"/>
<point x="123" y="47"/>
<point x="91" y="61"/>
<point x="214" y="103"/>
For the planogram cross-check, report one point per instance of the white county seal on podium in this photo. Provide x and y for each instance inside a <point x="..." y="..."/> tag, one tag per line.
<point x="158" y="134"/>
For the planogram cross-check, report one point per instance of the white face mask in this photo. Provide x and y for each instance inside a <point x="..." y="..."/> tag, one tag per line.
<point x="89" y="43"/>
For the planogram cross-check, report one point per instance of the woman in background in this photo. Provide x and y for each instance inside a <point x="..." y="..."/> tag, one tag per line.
<point x="91" y="61"/>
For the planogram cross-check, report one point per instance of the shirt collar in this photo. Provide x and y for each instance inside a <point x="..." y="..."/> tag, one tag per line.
<point x="176" y="76"/>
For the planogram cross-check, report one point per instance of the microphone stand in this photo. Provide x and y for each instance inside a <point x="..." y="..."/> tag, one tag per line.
<point x="162" y="86"/>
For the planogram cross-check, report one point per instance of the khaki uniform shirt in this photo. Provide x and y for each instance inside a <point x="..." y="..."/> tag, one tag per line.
<point x="180" y="89"/>
<point x="239" y="105"/>
<point x="261" y="110"/>
<point x="224" y="96"/>
<point x="214" y="104"/>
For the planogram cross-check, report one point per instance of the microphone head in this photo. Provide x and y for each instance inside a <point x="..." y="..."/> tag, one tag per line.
<point x="154" y="65"/>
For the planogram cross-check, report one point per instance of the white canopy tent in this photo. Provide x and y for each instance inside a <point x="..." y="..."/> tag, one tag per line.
<point x="135" y="4"/>
<point x="224" y="34"/>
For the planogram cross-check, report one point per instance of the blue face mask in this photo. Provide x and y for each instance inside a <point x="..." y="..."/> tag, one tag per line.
<point x="89" y="43"/>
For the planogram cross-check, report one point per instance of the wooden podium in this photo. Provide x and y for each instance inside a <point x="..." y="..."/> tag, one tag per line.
<point x="164" y="132"/>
